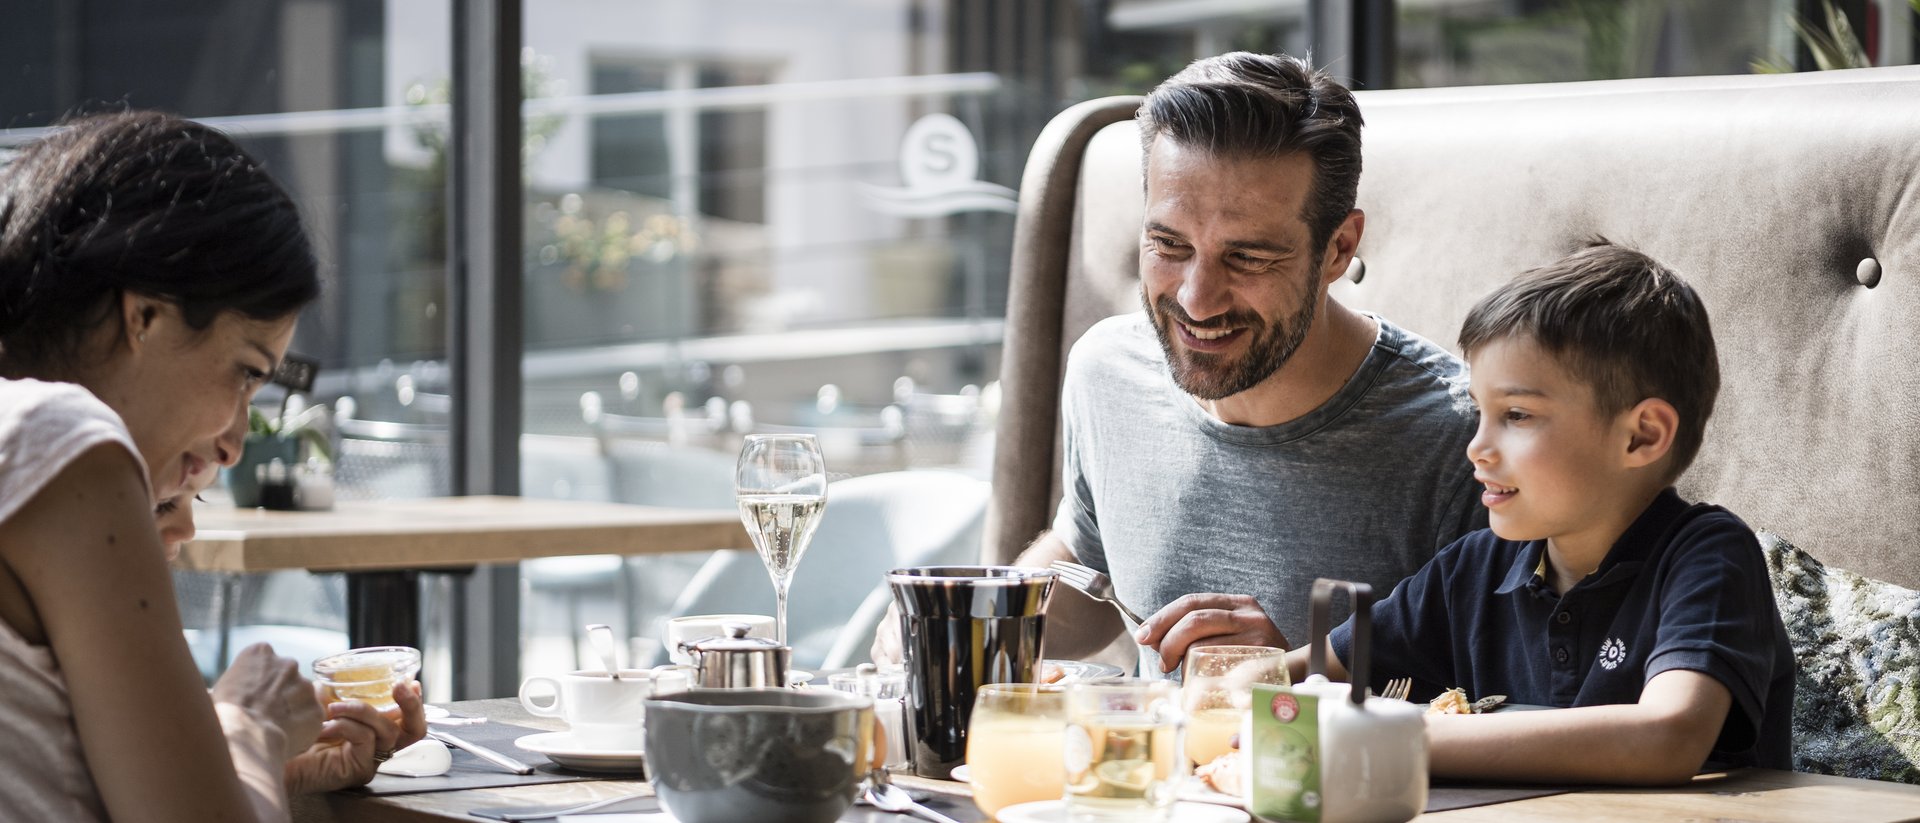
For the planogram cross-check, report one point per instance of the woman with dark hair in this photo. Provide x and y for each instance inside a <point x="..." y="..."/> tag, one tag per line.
<point x="150" y="277"/>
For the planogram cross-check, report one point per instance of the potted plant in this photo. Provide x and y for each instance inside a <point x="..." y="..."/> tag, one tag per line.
<point x="276" y="438"/>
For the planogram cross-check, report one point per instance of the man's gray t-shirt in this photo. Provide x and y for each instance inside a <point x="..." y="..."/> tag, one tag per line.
<point x="1169" y="501"/>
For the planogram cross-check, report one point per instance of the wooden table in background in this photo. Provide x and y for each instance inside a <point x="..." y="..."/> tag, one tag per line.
<point x="384" y="545"/>
<point x="1753" y="795"/>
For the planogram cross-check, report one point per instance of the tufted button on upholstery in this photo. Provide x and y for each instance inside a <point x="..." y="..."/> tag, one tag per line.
<point x="1357" y="269"/>
<point x="1868" y="272"/>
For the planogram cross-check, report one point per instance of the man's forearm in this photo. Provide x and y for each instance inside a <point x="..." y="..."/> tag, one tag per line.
<point x="1077" y="625"/>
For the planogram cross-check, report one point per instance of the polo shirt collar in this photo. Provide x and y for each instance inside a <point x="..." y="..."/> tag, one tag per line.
<point x="1524" y="563"/>
<point x="1622" y="562"/>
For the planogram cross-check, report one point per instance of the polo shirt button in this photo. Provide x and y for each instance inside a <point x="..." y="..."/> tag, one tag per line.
<point x="1563" y="618"/>
<point x="1560" y="654"/>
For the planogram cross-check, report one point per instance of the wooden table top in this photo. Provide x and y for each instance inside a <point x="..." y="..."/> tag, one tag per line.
<point x="1757" y="795"/>
<point x="440" y="807"/>
<point x="447" y="531"/>
<point x="1751" y="795"/>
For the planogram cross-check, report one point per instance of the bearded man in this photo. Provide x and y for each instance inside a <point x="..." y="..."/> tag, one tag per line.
<point x="1246" y="433"/>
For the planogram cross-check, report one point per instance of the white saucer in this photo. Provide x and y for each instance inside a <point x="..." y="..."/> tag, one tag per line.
<point x="1055" y="811"/>
<point x="561" y="748"/>
<point x="1198" y="791"/>
<point x="962" y="774"/>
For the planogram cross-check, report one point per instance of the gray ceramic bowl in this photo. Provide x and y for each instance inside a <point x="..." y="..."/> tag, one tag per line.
<point x="773" y="755"/>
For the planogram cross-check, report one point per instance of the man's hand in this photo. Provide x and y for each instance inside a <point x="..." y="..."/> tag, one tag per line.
<point x="1208" y="620"/>
<point x="355" y="732"/>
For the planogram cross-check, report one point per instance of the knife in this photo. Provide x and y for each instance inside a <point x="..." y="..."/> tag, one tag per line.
<point x="481" y="752"/>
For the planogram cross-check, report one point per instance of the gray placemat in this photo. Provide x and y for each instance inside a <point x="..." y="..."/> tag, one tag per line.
<point x="1447" y="796"/>
<point x="470" y="772"/>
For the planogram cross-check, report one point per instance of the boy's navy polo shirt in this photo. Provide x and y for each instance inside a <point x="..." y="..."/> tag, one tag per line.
<point x="1685" y="587"/>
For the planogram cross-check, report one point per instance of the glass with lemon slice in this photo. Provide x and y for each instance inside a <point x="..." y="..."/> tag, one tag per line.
<point x="1124" y="754"/>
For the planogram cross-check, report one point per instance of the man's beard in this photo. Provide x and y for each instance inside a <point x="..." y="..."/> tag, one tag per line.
<point x="1211" y="376"/>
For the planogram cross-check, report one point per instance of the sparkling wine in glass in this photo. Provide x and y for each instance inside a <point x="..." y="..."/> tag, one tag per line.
<point x="781" y="486"/>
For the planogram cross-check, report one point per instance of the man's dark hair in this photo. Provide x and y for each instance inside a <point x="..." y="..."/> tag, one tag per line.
<point x="146" y="203"/>
<point x="1622" y="323"/>
<point x="1245" y="105"/>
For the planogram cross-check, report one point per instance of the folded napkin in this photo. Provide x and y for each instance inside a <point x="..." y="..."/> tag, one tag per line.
<point x="469" y="772"/>
<point x="427" y="758"/>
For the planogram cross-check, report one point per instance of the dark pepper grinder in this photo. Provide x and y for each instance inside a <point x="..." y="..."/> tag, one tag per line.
<point x="276" y="486"/>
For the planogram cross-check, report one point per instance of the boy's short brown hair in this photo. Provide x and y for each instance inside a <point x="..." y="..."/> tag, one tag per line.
<point x="1620" y="322"/>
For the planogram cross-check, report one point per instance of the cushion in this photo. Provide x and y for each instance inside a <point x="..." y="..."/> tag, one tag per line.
<point x="1857" y="695"/>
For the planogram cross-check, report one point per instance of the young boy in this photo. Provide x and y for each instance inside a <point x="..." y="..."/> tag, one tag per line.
<point x="1649" y="622"/>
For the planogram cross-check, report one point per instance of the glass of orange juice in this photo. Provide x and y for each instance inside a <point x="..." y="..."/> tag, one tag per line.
<point x="1015" y="744"/>
<point x="1218" y="693"/>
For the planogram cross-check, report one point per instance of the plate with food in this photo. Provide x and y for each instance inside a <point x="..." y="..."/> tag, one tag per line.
<point x="1218" y="782"/>
<point x="1068" y="671"/>
<point x="1455" y="701"/>
<point x="1055" y="811"/>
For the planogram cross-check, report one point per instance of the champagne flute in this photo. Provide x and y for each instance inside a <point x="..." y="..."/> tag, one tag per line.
<point x="781" y="486"/>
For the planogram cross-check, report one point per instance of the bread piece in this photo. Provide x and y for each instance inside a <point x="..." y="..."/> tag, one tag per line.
<point x="1451" y="701"/>
<point x="1223" y="774"/>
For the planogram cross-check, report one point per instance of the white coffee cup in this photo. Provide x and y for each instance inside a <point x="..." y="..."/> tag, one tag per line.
<point x="603" y="712"/>
<point x="694" y="627"/>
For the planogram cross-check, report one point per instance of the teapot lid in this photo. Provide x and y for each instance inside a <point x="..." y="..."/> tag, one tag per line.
<point x="735" y="640"/>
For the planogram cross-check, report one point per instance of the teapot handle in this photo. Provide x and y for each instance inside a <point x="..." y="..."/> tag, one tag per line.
<point x="1359" y="668"/>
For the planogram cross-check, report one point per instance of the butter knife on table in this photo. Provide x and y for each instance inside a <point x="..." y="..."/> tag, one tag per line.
<point x="480" y="751"/>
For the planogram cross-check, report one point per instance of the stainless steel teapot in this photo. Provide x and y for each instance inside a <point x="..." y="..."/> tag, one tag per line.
<point x="736" y="661"/>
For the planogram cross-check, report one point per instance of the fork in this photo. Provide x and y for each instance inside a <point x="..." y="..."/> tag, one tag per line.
<point x="1099" y="586"/>
<point x="1398" y="688"/>
<point x="1096" y="585"/>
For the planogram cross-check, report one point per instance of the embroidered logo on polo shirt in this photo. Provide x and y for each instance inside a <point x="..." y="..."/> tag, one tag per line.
<point x="1612" y="653"/>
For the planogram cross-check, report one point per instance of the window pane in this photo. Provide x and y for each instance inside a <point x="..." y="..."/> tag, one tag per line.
<point x="318" y="90"/>
<point x="1456" y="43"/>
<point x="746" y="215"/>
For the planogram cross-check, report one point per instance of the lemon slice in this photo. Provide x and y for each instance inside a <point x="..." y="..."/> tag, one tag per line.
<point x="1126" y="777"/>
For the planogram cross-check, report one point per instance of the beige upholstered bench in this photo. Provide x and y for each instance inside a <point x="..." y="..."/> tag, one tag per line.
<point x="1792" y="202"/>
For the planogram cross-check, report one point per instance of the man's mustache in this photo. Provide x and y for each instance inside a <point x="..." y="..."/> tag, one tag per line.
<point x="1168" y="308"/>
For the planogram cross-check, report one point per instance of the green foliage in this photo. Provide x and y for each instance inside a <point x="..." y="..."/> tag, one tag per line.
<point x="1833" y="45"/>
<point x="303" y="426"/>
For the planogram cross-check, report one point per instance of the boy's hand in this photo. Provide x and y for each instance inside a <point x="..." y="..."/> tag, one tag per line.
<point x="1208" y="620"/>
